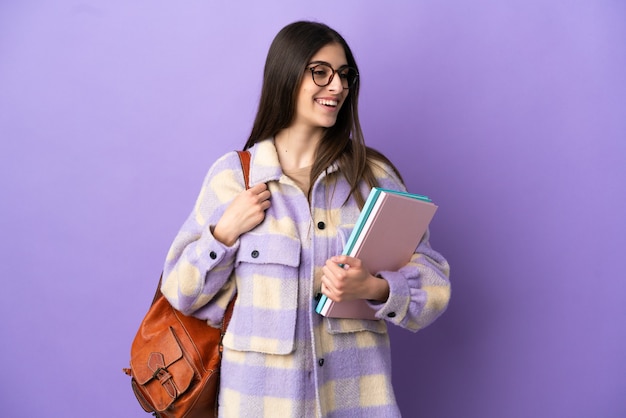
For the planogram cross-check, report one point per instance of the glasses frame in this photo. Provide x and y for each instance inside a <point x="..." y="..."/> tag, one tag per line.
<point x="311" y="67"/>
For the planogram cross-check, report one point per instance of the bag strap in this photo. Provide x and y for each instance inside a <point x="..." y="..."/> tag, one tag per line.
<point x="244" y="157"/>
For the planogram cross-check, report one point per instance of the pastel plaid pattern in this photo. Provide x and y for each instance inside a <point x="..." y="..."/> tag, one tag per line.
<point x="281" y="359"/>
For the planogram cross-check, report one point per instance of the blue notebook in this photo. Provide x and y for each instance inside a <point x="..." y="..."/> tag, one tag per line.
<point x="385" y="236"/>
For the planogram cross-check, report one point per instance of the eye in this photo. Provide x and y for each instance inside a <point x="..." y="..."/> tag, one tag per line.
<point x="346" y="73"/>
<point x="320" y="71"/>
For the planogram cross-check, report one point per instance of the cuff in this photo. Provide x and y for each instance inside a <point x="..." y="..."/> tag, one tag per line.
<point x="397" y="304"/>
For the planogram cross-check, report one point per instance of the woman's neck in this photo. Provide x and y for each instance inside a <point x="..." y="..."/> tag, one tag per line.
<point x="296" y="148"/>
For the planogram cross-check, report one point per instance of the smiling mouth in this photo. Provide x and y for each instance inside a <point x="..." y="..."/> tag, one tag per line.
<point x="328" y="103"/>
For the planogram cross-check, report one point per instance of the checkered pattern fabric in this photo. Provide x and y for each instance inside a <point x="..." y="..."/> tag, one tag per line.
<point x="281" y="359"/>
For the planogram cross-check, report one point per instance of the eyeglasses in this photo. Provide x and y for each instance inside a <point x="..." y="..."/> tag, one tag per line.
<point x="323" y="74"/>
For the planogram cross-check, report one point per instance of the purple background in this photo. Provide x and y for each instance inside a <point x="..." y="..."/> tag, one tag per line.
<point x="511" y="115"/>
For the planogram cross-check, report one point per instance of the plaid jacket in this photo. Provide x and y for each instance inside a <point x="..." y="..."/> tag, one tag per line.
<point x="282" y="359"/>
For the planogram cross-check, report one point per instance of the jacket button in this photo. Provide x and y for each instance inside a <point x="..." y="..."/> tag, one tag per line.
<point x="320" y="362"/>
<point x="321" y="225"/>
<point x="391" y="314"/>
<point x="212" y="255"/>
<point x="255" y="254"/>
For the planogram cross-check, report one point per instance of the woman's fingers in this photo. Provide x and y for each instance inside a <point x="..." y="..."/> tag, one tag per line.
<point x="244" y="213"/>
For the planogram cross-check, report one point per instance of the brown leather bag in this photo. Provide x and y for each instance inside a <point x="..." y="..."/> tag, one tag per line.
<point x="175" y="359"/>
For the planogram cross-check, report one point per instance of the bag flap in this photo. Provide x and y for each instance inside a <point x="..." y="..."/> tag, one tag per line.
<point x="160" y="352"/>
<point x="161" y="370"/>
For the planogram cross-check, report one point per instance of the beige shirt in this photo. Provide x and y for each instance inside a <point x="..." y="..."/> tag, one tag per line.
<point x="301" y="177"/>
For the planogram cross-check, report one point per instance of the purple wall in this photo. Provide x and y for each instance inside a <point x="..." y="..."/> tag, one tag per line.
<point x="511" y="115"/>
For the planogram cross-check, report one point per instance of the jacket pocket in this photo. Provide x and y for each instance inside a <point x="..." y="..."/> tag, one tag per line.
<point x="266" y="273"/>
<point x="343" y="326"/>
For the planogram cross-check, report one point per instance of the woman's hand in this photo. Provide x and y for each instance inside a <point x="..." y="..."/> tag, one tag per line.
<point x="245" y="212"/>
<point x="346" y="278"/>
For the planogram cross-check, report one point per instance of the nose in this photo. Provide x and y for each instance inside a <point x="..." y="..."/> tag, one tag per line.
<point x="335" y="83"/>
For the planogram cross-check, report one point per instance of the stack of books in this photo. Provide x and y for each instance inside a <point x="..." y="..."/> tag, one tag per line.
<point x="385" y="236"/>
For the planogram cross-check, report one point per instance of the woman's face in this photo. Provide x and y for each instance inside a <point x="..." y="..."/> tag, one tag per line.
<point x="318" y="107"/>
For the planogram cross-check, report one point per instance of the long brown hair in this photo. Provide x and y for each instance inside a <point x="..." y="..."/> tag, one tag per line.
<point x="289" y="53"/>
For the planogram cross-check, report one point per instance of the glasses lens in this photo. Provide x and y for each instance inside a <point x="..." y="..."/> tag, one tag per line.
<point x="321" y="74"/>
<point x="348" y="76"/>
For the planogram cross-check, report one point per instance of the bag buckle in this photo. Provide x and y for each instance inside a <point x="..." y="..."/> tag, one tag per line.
<point x="161" y="374"/>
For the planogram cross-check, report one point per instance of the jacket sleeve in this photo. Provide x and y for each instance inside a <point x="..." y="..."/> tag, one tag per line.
<point x="420" y="291"/>
<point x="196" y="275"/>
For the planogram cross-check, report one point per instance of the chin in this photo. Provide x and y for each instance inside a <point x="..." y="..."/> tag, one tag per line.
<point x="328" y="123"/>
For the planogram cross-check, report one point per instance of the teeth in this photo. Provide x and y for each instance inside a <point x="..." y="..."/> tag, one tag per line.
<point x="327" y="102"/>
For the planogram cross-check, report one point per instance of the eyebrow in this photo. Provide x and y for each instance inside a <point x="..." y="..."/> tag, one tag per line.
<point x="327" y="63"/>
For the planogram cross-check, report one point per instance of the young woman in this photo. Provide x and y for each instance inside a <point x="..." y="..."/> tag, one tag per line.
<point x="277" y="245"/>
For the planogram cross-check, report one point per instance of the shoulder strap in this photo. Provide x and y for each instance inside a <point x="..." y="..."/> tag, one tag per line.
<point x="244" y="157"/>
